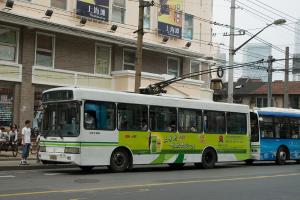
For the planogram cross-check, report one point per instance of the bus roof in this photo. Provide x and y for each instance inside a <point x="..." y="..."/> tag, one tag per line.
<point x="124" y="97"/>
<point x="278" y="112"/>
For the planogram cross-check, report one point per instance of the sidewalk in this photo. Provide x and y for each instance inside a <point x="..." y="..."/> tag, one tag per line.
<point x="8" y="162"/>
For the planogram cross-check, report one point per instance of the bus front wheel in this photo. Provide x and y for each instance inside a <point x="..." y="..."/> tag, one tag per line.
<point x="119" y="161"/>
<point x="209" y="158"/>
<point x="281" y="156"/>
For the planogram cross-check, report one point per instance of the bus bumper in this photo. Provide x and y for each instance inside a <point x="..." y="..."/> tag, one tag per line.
<point x="59" y="157"/>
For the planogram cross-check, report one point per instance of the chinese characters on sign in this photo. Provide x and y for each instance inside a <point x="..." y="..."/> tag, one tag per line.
<point x="97" y="9"/>
<point x="170" y="18"/>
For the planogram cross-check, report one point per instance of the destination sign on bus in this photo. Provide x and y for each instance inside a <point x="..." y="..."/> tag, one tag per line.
<point x="62" y="95"/>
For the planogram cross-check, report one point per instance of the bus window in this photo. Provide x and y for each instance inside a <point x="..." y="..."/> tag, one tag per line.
<point x="163" y="119"/>
<point x="254" y="127"/>
<point x="266" y="127"/>
<point x="132" y="117"/>
<point x="236" y="123"/>
<point x="214" y="122"/>
<point x="99" y="115"/>
<point x="189" y="121"/>
<point x="295" y="128"/>
<point x="285" y="129"/>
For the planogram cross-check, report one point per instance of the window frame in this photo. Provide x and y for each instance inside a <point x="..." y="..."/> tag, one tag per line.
<point x="178" y="65"/>
<point x="124" y="8"/>
<point x="227" y="122"/>
<point x="110" y="58"/>
<point x="129" y="50"/>
<point x="163" y="131"/>
<point x="98" y="102"/>
<point x="197" y="111"/>
<point x="199" y="77"/>
<point x="50" y="5"/>
<point x="186" y="27"/>
<point x="214" y="133"/>
<point x="45" y="50"/>
<point x="16" y="61"/>
<point x="132" y="104"/>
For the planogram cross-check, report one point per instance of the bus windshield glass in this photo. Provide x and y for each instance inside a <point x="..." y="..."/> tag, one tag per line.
<point x="61" y="119"/>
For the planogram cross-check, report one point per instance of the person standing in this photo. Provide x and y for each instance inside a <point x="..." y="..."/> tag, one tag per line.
<point x="26" y="141"/>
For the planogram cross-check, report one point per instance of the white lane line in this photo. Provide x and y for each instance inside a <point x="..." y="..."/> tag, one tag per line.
<point x="7" y="176"/>
<point x="51" y="174"/>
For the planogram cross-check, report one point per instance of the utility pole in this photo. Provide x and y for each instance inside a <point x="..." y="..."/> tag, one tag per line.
<point x="139" y="49"/>
<point x="270" y="71"/>
<point x="231" y="52"/>
<point x="286" y="78"/>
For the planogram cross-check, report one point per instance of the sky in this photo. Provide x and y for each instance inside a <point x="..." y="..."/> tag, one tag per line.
<point x="251" y="15"/>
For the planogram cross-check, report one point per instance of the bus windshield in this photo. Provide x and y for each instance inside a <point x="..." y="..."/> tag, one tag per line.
<point x="61" y="119"/>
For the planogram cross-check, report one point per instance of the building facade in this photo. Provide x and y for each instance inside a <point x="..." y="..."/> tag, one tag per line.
<point x="257" y="52"/>
<point x="84" y="43"/>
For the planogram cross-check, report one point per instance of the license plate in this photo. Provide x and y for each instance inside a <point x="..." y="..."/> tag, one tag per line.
<point x="53" y="157"/>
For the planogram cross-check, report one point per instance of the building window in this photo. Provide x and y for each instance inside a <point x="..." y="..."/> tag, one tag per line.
<point x="62" y="4"/>
<point x="129" y="60"/>
<point x="195" y="67"/>
<point x="8" y="44"/>
<point x="147" y="17"/>
<point x="188" y="27"/>
<point x="44" y="50"/>
<point x="261" y="102"/>
<point x="173" y="66"/>
<point x="103" y="57"/>
<point x="118" y="11"/>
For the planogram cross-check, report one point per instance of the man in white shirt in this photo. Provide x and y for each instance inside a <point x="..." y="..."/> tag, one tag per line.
<point x="26" y="141"/>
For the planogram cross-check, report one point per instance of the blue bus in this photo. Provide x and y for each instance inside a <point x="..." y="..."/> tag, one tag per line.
<point x="275" y="135"/>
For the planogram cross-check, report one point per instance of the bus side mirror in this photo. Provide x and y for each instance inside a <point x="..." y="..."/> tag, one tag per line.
<point x="260" y="119"/>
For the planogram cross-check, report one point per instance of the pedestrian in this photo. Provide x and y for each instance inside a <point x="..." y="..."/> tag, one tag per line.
<point x="26" y="141"/>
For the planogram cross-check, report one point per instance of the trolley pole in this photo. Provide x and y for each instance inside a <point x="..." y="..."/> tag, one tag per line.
<point x="270" y="71"/>
<point x="286" y="78"/>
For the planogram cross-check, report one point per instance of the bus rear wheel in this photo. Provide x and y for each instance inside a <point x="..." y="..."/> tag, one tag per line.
<point x="281" y="156"/>
<point x="209" y="158"/>
<point x="119" y="161"/>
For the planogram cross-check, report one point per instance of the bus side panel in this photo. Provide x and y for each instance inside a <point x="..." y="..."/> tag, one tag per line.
<point x="269" y="147"/>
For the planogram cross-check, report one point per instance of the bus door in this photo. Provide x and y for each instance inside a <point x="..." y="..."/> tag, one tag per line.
<point x="255" y="142"/>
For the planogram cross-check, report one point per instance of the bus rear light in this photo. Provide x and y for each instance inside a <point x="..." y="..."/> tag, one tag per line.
<point x="72" y="150"/>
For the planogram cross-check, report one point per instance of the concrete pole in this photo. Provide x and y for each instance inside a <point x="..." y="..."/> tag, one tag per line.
<point x="286" y="78"/>
<point x="139" y="49"/>
<point x="231" y="53"/>
<point x="270" y="71"/>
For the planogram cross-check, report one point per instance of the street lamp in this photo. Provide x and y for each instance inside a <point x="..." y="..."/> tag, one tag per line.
<point x="232" y="52"/>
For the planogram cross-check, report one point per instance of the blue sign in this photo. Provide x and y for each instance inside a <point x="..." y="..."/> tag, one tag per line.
<point x="169" y="30"/>
<point x="96" y="9"/>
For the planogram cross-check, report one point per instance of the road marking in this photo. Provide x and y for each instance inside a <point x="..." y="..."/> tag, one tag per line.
<point x="7" y="176"/>
<point x="77" y="190"/>
<point x="51" y="174"/>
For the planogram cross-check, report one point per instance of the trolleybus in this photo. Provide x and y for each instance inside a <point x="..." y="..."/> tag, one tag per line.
<point x="275" y="134"/>
<point x="90" y="128"/>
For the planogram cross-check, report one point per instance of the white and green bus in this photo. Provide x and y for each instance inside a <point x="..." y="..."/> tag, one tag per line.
<point x="91" y="128"/>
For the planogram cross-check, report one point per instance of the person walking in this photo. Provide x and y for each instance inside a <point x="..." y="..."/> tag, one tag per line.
<point x="26" y="141"/>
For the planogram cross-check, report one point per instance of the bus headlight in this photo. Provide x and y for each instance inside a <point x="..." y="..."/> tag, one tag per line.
<point x="72" y="150"/>
<point x="42" y="149"/>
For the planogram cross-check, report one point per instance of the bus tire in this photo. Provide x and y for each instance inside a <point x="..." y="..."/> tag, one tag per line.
<point x="281" y="156"/>
<point x="119" y="161"/>
<point x="176" y="166"/>
<point x="209" y="158"/>
<point x="249" y="162"/>
<point x="86" y="168"/>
